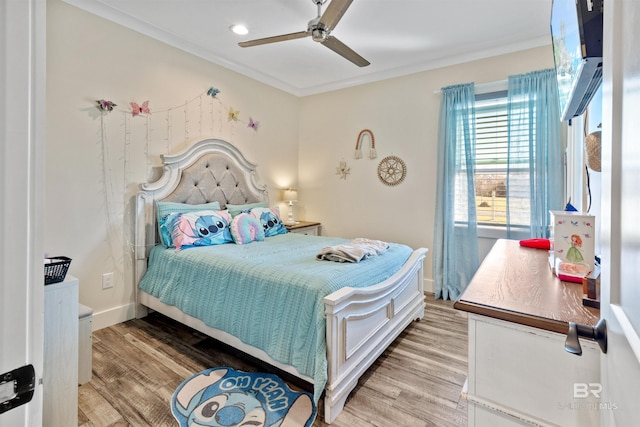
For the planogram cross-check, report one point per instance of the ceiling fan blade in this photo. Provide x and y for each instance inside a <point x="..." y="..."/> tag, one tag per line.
<point x="274" y="39"/>
<point x="333" y="13"/>
<point x="342" y="49"/>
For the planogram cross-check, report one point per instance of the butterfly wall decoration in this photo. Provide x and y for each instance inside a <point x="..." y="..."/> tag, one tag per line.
<point x="143" y="109"/>
<point x="233" y="114"/>
<point x="212" y="92"/>
<point x="140" y="109"/>
<point x="104" y="105"/>
<point x="253" y="124"/>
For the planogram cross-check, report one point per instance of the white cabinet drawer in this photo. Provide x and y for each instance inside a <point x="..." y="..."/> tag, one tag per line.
<point x="526" y="371"/>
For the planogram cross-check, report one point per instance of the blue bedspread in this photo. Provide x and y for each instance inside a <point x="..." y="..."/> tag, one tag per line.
<point x="268" y="294"/>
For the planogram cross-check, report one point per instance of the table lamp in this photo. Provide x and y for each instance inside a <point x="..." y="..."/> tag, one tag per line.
<point x="291" y="196"/>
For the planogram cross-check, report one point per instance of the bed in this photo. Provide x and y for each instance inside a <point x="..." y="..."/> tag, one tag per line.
<point x="355" y="310"/>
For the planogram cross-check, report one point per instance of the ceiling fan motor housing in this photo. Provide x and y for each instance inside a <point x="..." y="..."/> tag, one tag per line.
<point x="319" y="34"/>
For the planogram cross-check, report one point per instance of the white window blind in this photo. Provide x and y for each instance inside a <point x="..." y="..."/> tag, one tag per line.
<point x="492" y="152"/>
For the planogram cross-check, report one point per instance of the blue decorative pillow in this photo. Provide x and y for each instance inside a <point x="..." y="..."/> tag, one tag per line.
<point x="201" y="228"/>
<point x="270" y="220"/>
<point x="163" y="209"/>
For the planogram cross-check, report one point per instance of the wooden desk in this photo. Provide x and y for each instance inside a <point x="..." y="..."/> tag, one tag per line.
<point x="519" y="372"/>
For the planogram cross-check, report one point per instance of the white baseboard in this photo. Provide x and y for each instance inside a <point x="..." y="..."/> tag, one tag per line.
<point x="113" y="316"/>
<point x="429" y="286"/>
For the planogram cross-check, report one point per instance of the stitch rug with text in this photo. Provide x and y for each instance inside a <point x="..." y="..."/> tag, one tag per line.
<point x="224" y="397"/>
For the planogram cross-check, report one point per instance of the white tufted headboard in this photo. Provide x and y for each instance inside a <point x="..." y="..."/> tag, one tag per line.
<point x="210" y="170"/>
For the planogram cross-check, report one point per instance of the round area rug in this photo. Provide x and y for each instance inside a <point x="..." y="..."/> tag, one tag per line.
<point x="224" y="397"/>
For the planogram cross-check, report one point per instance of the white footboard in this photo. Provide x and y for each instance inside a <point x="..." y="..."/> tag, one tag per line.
<point x="362" y="322"/>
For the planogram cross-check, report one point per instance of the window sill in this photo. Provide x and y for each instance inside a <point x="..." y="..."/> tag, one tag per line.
<point x="487" y="231"/>
<point x="500" y="232"/>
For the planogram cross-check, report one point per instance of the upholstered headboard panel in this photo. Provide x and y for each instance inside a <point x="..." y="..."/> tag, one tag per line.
<point x="214" y="177"/>
<point x="209" y="170"/>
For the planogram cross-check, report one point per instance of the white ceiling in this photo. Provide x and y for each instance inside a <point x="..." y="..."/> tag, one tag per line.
<point x="397" y="37"/>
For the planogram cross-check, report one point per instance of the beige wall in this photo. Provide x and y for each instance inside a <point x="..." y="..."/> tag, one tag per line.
<point x="88" y="200"/>
<point x="403" y="114"/>
<point x="94" y="163"/>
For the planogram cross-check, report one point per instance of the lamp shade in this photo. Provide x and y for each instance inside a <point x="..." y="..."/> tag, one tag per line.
<point x="291" y="195"/>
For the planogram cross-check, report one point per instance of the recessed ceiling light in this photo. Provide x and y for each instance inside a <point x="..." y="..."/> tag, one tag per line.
<point x="239" y="29"/>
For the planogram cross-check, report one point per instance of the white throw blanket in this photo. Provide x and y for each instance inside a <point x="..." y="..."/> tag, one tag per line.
<point x="354" y="251"/>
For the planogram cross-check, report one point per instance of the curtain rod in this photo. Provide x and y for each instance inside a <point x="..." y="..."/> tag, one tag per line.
<point x="486" y="87"/>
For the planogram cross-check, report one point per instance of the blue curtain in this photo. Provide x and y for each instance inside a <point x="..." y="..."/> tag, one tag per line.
<point x="455" y="252"/>
<point x="535" y="147"/>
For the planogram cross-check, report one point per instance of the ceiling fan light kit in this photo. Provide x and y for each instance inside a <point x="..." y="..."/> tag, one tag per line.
<point x="320" y="29"/>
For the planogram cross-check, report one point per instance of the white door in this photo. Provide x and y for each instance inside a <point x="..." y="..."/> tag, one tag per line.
<point x="22" y="95"/>
<point x="620" y="279"/>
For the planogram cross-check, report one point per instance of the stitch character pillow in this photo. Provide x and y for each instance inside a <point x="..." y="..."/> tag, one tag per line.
<point x="167" y="211"/>
<point x="201" y="228"/>
<point x="246" y="229"/>
<point x="270" y="220"/>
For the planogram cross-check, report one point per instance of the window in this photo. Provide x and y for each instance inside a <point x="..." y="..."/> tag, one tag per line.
<point x="492" y="166"/>
<point x="491" y="160"/>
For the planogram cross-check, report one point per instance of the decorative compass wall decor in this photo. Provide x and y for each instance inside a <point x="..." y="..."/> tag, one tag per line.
<point x="392" y="170"/>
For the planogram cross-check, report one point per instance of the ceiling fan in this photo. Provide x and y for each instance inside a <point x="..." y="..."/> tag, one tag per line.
<point x="320" y="29"/>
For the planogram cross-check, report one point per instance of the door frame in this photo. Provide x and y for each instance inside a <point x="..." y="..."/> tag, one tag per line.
<point x="22" y="141"/>
<point x="620" y="367"/>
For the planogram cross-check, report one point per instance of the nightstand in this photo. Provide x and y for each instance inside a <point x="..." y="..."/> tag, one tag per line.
<point x="304" y="227"/>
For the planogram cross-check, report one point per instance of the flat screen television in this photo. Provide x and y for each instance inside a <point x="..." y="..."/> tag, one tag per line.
<point x="576" y="35"/>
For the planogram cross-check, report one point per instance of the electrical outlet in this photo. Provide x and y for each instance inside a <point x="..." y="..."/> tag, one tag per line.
<point x="107" y="280"/>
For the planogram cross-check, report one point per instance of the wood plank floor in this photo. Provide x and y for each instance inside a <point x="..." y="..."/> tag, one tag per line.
<point x="416" y="382"/>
